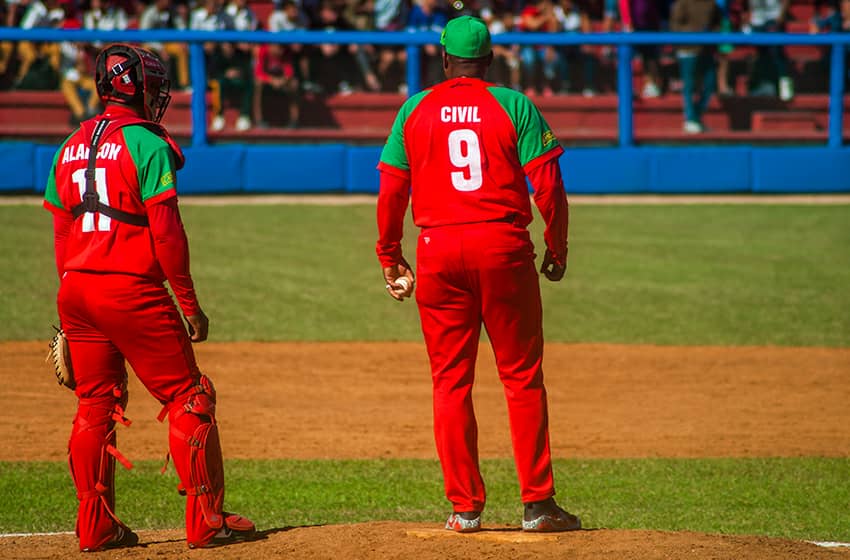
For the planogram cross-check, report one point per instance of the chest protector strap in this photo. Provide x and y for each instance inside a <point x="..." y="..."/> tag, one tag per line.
<point x="91" y="199"/>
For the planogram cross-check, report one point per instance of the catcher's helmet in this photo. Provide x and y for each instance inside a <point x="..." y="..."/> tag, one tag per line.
<point x="133" y="76"/>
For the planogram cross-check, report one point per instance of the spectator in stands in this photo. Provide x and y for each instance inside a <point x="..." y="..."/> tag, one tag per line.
<point x="428" y="15"/>
<point x="539" y="16"/>
<point x="39" y="62"/>
<point x="105" y="15"/>
<point x="830" y="18"/>
<point x="391" y="15"/>
<point x="572" y="18"/>
<point x="287" y="17"/>
<point x="487" y="9"/>
<point x="310" y="9"/>
<point x="275" y="79"/>
<point x="244" y="18"/>
<point x="611" y="22"/>
<point x="834" y="17"/>
<point x="160" y="14"/>
<point x="769" y="16"/>
<point x="723" y="51"/>
<point x="332" y="66"/>
<point x="76" y="68"/>
<point x="645" y="15"/>
<point x="229" y="69"/>
<point x="211" y="15"/>
<point x="76" y="83"/>
<point x="361" y="15"/>
<point x="505" y="68"/>
<point x="696" y="62"/>
<point x="101" y="15"/>
<point x="233" y="76"/>
<point x="12" y="13"/>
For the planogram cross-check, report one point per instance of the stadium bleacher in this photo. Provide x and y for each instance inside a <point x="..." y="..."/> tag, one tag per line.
<point x="365" y="118"/>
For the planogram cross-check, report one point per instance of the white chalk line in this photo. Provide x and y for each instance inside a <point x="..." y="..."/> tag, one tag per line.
<point x="830" y="544"/>
<point x="824" y="544"/>
<point x="10" y="535"/>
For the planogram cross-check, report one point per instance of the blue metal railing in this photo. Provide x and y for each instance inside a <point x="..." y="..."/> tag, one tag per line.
<point x="413" y="41"/>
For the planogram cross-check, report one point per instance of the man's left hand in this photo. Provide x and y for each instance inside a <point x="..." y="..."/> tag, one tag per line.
<point x="551" y="269"/>
<point x="198" y="326"/>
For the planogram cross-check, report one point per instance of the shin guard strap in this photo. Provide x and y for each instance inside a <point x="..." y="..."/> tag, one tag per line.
<point x="119" y="456"/>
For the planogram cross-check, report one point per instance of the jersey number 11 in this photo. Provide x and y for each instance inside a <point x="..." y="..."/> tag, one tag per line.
<point x="79" y="177"/>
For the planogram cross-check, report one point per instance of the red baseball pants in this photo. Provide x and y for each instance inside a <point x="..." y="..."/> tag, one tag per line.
<point x="468" y="275"/>
<point x="107" y="318"/>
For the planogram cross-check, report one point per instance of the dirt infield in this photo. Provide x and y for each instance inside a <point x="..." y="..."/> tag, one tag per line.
<point x="605" y="401"/>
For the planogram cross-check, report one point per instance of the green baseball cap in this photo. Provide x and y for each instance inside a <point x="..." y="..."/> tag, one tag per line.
<point x="466" y="37"/>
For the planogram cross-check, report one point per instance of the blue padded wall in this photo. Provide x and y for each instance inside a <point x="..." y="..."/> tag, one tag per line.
<point x="337" y="168"/>
<point x="17" y="163"/>
<point x="605" y="170"/>
<point x="311" y="169"/>
<point x="801" y="170"/>
<point x="705" y="170"/>
<point x="362" y="173"/>
<point x="211" y="170"/>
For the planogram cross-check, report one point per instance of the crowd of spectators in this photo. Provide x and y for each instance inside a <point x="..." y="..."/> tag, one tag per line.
<point x="255" y="77"/>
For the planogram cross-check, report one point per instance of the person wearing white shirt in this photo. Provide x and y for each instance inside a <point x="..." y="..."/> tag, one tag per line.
<point x="105" y="16"/>
<point x="286" y="17"/>
<point x="244" y="18"/>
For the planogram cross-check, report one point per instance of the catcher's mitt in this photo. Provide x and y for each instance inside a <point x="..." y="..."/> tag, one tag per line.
<point x="60" y="354"/>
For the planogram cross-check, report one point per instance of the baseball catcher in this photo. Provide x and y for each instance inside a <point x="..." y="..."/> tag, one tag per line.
<point x="118" y="237"/>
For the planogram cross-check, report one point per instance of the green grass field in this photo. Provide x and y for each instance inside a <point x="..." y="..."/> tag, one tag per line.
<point x="722" y="275"/>
<point x="678" y="275"/>
<point x="803" y="498"/>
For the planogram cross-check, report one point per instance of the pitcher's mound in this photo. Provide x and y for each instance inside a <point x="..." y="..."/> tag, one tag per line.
<point x="505" y="535"/>
<point x="390" y="540"/>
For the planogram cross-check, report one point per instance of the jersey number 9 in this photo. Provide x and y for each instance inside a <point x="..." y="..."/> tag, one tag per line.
<point x="465" y="153"/>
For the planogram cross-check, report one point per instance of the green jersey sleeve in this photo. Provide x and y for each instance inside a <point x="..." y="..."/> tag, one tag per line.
<point x="51" y="193"/>
<point x="394" y="153"/>
<point x="154" y="160"/>
<point x="534" y="136"/>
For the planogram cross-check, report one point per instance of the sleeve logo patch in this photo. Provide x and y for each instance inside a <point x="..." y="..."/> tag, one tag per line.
<point x="548" y="137"/>
<point x="167" y="179"/>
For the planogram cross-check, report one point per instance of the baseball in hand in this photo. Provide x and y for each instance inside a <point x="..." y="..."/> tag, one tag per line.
<point x="403" y="282"/>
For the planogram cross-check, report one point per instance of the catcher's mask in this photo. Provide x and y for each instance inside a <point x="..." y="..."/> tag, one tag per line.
<point x="133" y="76"/>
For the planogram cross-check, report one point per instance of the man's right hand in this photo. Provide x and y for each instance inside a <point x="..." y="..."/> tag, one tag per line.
<point x="551" y="269"/>
<point x="199" y="326"/>
<point x="393" y="273"/>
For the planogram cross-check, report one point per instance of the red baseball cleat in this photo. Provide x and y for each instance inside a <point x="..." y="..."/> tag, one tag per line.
<point x="235" y="529"/>
<point x="464" y="522"/>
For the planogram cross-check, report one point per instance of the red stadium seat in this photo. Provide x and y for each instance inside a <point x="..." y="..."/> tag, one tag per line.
<point x="363" y="118"/>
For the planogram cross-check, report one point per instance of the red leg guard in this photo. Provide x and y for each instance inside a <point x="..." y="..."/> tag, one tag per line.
<point x="196" y="451"/>
<point x="91" y="458"/>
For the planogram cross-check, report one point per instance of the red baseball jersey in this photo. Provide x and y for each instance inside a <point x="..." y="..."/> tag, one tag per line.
<point x="135" y="168"/>
<point x="467" y="146"/>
